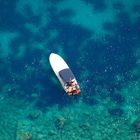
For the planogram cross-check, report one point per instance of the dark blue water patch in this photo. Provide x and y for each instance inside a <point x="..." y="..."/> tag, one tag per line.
<point x="102" y="92"/>
<point x="109" y="26"/>
<point x="70" y="37"/>
<point x="31" y="17"/>
<point x="69" y="33"/>
<point x="118" y="6"/>
<point x="98" y="5"/>
<point x="5" y="75"/>
<point x="7" y="5"/>
<point x="12" y="20"/>
<point x="30" y="58"/>
<point x="95" y="54"/>
<point x="116" y="112"/>
<point x="52" y="97"/>
<point x="25" y="38"/>
<point x="55" y="21"/>
<point x="127" y="31"/>
<point x="122" y="46"/>
<point x="18" y="74"/>
<point x="117" y="98"/>
<point x="90" y="101"/>
<point x="44" y="77"/>
<point x="9" y="18"/>
<point x="33" y="56"/>
<point x="115" y="56"/>
<point x="55" y="1"/>
<point x="66" y="13"/>
<point x="136" y="9"/>
<point x="136" y="31"/>
<point x="66" y="29"/>
<point x="124" y="24"/>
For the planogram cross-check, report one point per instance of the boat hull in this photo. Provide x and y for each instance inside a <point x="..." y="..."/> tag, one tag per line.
<point x="59" y="65"/>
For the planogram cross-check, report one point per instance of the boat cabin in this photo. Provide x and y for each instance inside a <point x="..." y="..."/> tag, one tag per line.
<point x="70" y="84"/>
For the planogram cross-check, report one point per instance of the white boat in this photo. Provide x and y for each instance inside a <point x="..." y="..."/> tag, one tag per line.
<point x="64" y="74"/>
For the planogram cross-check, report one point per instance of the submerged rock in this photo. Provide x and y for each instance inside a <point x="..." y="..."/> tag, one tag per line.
<point x="24" y="135"/>
<point x="52" y="133"/>
<point x="34" y="114"/>
<point x="24" y="130"/>
<point x="60" y="122"/>
<point x="85" y="125"/>
<point x="117" y="98"/>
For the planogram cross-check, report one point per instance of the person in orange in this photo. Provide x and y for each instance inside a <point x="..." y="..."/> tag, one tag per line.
<point x="72" y="88"/>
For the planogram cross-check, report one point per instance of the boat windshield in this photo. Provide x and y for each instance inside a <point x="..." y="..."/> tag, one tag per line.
<point x="66" y="75"/>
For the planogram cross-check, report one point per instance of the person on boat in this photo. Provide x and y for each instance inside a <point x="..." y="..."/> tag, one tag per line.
<point x="68" y="83"/>
<point x="74" y="85"/>
<point x="71" y="87"/>
<point x="68" y="86"/>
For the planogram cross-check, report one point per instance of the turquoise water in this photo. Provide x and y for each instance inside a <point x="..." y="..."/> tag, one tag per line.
<point x="100" y="41"/>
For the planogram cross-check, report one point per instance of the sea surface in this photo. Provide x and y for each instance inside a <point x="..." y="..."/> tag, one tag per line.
<point x="99" y="40"/>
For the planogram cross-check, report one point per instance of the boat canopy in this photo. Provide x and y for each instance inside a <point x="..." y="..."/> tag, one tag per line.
<point x="66" y="75"/>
